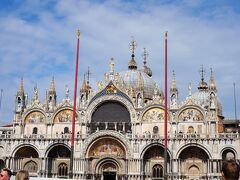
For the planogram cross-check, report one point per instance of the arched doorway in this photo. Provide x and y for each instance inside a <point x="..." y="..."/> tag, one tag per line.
<point x="27" y="158"/>
<point x="193" y="163"/>
<point x="109" y="170"/>
<point x="153" y="161"/>
<point x="58" y="161"/>
<point x="107" y="156"/>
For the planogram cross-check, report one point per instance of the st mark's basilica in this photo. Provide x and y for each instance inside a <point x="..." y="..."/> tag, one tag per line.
<point x="120" y="129"/>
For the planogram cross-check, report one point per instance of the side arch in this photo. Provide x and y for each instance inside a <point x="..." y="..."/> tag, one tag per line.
<point x="148" y="146"/>
<point x="192" y="145"/>
<point x="18" y="147"/>
<point x="225" y="150"/>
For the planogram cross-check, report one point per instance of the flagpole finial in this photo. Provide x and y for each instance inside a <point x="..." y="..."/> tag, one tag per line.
<point x="166" y="34"/>
<point x="78" y="33"/>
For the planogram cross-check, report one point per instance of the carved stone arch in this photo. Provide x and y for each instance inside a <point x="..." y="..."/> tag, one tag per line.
<point x="62" y="109"/>
<point x="99" y="165"/>
<point x="193" y="169"/>
<point x="228" y="149"/>
<point x="148" y="146"/>
<point x="52" y="145"/>
<point x="34" y="110"/>
<point x="108" y="134"/>
<point x="119" y="99"/>
<point x="183" y="147"/>
<point x="18" y="147"/>
<point x="31" y="166"/>
<point x="191" y="107"/>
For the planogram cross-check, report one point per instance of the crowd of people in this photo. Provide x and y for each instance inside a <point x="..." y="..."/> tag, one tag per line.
<point x="230" y="171"/>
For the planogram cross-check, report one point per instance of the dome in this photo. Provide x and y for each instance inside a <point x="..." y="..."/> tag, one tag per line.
<point x="135" y="78"/>
<point x="201" y="98"/>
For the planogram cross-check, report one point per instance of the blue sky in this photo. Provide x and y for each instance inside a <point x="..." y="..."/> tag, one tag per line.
<point x="38" y="41"/>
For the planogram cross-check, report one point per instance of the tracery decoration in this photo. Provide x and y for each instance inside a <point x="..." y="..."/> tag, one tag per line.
<point x="35" y="117"/>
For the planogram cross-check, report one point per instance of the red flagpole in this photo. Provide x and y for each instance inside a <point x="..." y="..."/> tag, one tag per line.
<point x="166" y="110"/>
<point x="74" y="107"/>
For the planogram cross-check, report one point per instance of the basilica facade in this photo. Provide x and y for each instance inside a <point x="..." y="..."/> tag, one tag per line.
<point x="119" y="130"/>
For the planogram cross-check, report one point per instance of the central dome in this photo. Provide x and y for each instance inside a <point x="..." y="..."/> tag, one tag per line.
<point x="137" y="79"/>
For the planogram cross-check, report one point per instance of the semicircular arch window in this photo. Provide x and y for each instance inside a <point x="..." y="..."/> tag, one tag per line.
<point x="35" y="117"/>
<point x="111" y="111"/>
<point x="190" y="114"/>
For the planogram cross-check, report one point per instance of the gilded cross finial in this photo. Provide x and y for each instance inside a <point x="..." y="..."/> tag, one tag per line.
<point x="145" y="55"/>
<point x="133" y="45"/>
<point x="202" y="72"/>
<point x="78" y="33"/>
<point x="88" y="75"/>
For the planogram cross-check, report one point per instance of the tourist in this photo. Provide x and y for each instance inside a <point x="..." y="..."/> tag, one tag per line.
<point x="230" y="170"/>
<point x="5" y="174"/>
<point x="22" y="175"/>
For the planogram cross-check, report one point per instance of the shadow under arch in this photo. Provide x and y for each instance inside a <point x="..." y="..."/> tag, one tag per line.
<point x="228" y="153"/>
<point x="151" y="145"/>
<point x="203" y="148"/>
<point x="152" y="157"/>
<point x="55" y="155"/>
<point x="26" y="150"/>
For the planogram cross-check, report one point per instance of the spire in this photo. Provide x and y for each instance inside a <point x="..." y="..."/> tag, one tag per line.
<point x="212" y="85"/>
<point x="174" y="84"/>
<point x="88" y="75"/>
<point x="132" y="63"/>
<point x="20" y="88"/>
<point x="52" y="85"/>
<point x="202" y="85"/>
<point x="46" y="99"/>
<point x="84" y="85"/>
<point x="146" y="69"/>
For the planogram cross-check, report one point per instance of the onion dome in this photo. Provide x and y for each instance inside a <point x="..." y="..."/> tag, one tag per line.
<point x="137" y="79"/>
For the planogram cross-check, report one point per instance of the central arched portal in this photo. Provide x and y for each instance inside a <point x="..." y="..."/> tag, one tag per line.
<point x="107" y="157"/>
<point x="109" y="170"/>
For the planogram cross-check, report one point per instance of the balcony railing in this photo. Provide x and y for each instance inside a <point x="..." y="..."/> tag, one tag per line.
<point x="129" y="135"/>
